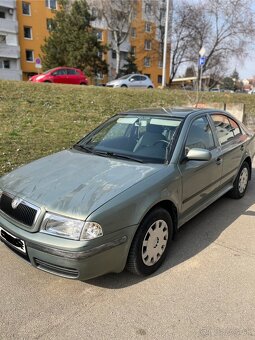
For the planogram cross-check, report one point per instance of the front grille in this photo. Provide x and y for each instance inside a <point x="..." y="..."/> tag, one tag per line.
<point x="57" y="270"/>
<point x="24" y="213"/>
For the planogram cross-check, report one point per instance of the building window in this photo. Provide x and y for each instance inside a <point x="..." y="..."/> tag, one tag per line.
<point x="4" y="63"/>
<point x="49" y="24"/>
<point x="148" y="9"/>
<point x="113" y="54"/>
<point x="52" y="4"/>
<point x="147" y="27"/>
<point x="99" y="35"/>
<point x="26" y="10"/>
<point x="160" y="79"/>
<point x="147" y="45"/>
<point x="27" y="32"/>
<point x="29" y="55"/>
<point x="147" y="61"/>
<point x="2" y="15"/>
<point x="160" y="63"/>
<point x="133" y="32"/>
<point x="133" y="50"/>
<point x="2" y="39"/>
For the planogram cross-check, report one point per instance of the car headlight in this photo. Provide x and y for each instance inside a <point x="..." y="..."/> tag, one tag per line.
<point x="70" y="228"/>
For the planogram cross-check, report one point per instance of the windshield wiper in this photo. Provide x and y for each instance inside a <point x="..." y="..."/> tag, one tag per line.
<point x="85" y="148"/>
<point x="117" y="155"/>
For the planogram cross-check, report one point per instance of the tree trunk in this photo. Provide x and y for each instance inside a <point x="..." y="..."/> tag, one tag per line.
<point x="117" y="61"/>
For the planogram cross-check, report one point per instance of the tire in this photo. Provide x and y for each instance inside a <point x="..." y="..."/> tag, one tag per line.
<point x="47" y="81"/>
<point x="241" y="182"/>
<point x="83" y="84"/>
<point x="150" y="87"/>
<point x="150" y="244"/>
<point x="124" y="86"/>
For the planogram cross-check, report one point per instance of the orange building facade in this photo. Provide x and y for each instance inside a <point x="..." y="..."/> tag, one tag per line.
<point x="34" y="22"/>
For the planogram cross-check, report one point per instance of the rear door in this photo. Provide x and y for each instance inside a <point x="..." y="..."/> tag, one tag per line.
<point x="200" y="179"/>
<point x="73" y="76"/>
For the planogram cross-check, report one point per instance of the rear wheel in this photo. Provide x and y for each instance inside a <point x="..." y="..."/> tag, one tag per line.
<point x="241" y="182"/>
<point x="83" y="84"/>
<point x="47" y="81"/>
<point x="124" y="85"/>
<point x="150" y="244"/>
<point x="150" y="87"/>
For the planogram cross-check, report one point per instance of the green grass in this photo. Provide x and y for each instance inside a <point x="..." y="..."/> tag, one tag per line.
<point x="38" y="119"/>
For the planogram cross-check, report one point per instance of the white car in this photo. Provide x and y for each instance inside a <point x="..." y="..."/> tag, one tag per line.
<point x="132" y="80"/>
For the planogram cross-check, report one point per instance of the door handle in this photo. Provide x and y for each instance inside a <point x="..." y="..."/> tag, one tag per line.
<point x="219" y="161"/>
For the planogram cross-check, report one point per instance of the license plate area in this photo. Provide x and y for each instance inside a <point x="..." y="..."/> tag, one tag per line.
<point x="12" y="241"/>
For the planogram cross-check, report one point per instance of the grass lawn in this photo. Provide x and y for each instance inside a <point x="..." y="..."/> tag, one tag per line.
<point x="38" y="119"/>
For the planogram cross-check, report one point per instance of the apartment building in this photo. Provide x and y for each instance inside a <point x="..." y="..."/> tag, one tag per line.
<point x="34" y="25"/>
<point x="9" y="45"/>
<point x="145" y="40"/>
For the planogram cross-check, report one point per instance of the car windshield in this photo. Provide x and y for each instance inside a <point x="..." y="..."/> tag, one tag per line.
<point x="48" y="71"/>
<point x="125" y="77"/>
<point x="141" y="138"/>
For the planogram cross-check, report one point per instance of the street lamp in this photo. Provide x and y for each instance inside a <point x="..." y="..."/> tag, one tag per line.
<point x="165" y="44"/>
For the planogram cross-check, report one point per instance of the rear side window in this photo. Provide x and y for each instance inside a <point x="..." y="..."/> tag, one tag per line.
<point x="226" y="128"/>
<point x="72" y="72"/>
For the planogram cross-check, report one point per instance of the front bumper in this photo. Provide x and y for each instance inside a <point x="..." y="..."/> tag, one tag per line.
<point x="73" y="259"/>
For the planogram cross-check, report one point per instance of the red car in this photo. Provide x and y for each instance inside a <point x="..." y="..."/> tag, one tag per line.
<point x="63" y="75"/>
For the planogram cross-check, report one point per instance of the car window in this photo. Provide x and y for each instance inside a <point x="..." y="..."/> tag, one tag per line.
<point x="200" y="135"/>
<point x="226" y="128"/>
<point x="142" y="78"/>
<point x="147" y="138"/>
<point x="135" y="78"/>
<point x="61" y="72"/>
<point x="71" y="72"/>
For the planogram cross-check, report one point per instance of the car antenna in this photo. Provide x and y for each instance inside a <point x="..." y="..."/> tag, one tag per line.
<point x="169" y="112"/>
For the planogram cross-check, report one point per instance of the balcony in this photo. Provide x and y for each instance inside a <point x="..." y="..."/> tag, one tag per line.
<point x="7" y="51"/>
<point x="8" y="3"/>
<point x="9" y="74"/>
<point x="8" y="26"/>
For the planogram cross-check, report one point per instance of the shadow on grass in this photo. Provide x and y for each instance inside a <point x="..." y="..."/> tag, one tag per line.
<point x="192" y="238"/>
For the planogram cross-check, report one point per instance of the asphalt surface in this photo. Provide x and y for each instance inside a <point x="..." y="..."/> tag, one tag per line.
<point x="205" y="290"/>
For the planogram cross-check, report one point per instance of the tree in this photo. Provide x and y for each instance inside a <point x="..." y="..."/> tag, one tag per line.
<point x="72" y="41"/>
<point x="118" y="15"/>
<point x="130" y="66"/>
<point x="225" y="28"/>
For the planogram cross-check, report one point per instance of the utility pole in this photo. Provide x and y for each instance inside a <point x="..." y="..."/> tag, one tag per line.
<point x="165" y="44"/>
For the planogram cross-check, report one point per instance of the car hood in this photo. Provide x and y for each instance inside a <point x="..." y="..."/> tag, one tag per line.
<point x="74" y="183"/>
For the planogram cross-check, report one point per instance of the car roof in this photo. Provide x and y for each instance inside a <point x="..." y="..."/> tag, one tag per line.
<point x="180" y="112"/>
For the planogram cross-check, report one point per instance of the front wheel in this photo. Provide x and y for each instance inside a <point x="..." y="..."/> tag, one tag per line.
<point x="150" y="244"/>
<point x="241" y="182"/>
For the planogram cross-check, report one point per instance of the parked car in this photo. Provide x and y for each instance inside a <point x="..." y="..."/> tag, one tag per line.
<point x="132" y="80"/>
<point x="251" y="91"/>
<point x="116" y="198"/>
<point x="61" y="75"/>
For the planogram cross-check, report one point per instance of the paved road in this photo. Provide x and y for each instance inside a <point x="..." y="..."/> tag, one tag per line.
<point x="205" y="290"/>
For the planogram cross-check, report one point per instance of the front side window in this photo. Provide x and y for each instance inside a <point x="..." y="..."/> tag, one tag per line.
<point x="30" y="55"/>
<point x="200" y="135"/>
<point x="26" y="10"/>
<point x="226" y="128"/>
<point x="141" y="138"/>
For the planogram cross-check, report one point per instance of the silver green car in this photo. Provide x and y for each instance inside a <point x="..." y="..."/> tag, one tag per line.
<point x="116" y="198"/>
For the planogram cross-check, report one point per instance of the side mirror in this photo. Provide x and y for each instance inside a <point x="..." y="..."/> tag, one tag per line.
<point x="199" y="155"/>
<point x="131" y="79"/>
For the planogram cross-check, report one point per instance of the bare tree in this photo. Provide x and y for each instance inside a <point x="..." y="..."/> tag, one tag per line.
<point x="118" y="15"/>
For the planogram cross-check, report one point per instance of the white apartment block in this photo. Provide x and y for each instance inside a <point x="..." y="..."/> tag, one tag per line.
<point x="9" y="44"/>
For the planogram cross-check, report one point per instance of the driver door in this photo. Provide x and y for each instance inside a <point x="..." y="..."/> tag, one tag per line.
<point x="200" y="179"/>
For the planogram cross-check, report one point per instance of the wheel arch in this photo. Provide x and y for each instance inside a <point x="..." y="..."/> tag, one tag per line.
<point x="249" y="162"/>
<point x="170" y="207"/>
